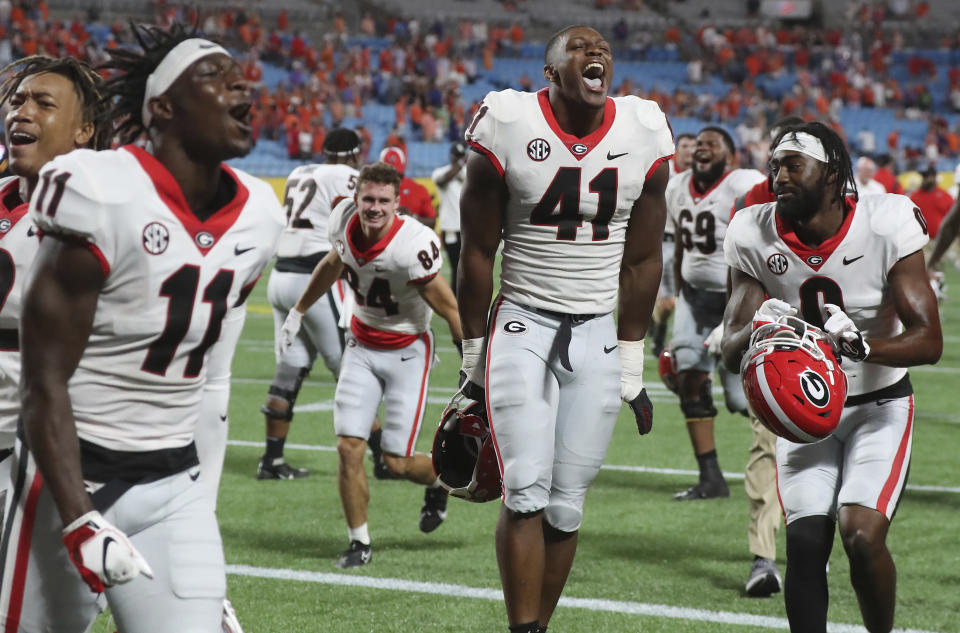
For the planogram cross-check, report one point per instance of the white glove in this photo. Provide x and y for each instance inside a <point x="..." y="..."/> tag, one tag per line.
<point x="844" y="334"/>
<point x="472" y="365"/>
<point x="102" y="553"/>
<point x="770" y="311"/>
<point x="712" y="342"/>
<point x="288" y="331"/>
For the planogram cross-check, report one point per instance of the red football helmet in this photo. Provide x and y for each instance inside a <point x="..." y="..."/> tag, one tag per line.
<point x="464" y="457"/>
<point x="793" y="381"/>
<point x="667" y="365"/>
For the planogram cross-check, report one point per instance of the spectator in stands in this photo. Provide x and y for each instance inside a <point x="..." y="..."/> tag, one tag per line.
<point x="885" y="175"/>
<point x="449" y="181"/>
<point x="933" y="201"/>
<point x="865" y="172"/>
<point x="415" y="200"/>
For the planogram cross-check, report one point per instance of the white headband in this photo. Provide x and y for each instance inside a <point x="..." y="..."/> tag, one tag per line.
<point x="172" y="66"/>
<point x="804" y="143"/>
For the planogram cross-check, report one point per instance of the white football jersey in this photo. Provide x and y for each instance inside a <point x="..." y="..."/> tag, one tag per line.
<point x="700" y="222"/>
<point x="569" y="198"/>
<point x="674" y="172"/>
<point x="448" y="215"/>
<point x="849" y="269"/>
<point x="309" y="196"/>
<point x="388" y="310"/>
<point x="169" y="281"/>
<point x="18" y="246"/>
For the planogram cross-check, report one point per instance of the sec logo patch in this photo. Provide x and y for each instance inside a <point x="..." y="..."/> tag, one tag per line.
<point x="538" y="149"/>
<point x="777" y="263"/>
<point x="156" y="237"/>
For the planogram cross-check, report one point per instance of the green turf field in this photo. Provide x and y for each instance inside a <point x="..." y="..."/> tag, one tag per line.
<point x="645" y="562"/>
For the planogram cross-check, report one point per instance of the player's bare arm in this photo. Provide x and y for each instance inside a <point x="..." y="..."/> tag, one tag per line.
<point x="745" y="296"/>
<point x="482" y="205"/>
<point x="326" y="272"/>
<point x="439" y="296"/>
<point x="921" y="341"/>
<point x="949" y="229"/>
<point x="58" y="310"/>
<point x="452" y="170"/>
<point x="641" y="266"/>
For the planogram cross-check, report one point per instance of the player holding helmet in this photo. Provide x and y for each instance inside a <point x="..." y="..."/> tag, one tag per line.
<point x="855" y="269"/>
<point x="572" y="181"/>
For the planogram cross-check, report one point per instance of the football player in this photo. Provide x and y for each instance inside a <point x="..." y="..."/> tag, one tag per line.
<point x="309" y="195"/>
<point x="415" y="199"/>
<point x="760" y="472"/>
<point x="666" y="294"/>
<point x="53" y="107"/>
<point x="572" y="182"/>
<point x="391" y="263"/>
<point x="699" y="202"/>
<point x="144" y="252"/>
<point x="853" y="268"/>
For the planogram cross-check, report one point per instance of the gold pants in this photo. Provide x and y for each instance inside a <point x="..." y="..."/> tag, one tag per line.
<point x="760" y="483"/>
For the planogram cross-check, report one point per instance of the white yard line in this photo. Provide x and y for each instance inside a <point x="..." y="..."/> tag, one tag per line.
<point x="588" y="604"/>
<point x="629" y="469"/>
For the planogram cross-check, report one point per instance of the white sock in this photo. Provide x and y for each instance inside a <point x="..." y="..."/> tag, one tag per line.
<point x="435" y="484"/>
<point x="361" y="534"/>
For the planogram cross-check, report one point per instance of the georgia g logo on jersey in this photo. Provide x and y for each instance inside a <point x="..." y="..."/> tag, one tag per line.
<point x="814" y="388"/>
<point x="156" y="237"/>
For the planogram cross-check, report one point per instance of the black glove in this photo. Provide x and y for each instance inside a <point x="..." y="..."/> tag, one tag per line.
<point x="643" y="411"/>
<point x="471" y="389"/>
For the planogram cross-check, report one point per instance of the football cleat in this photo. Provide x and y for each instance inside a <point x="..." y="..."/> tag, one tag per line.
<point x="708" y="489"/>
<point x="464" y="456"/>
<point x="434" y="509"/>
<point x="230" y="622"/>
<point x="764" y="579"/>
<point x="667" y="366"/>
<point x="793" y="381"/>
<point x="279" y="469"/>
<point x="356" y="555"/>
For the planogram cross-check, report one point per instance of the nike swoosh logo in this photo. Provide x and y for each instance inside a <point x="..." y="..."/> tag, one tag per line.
<point x="611" y="156"/>
<point x="403" y="358"/>
<point x="240" y="251"/>
<point x="880" y="403"/>
<point x="223" y="418"/>
<point x="195" y="476"/>
<point x="607" y="350"/>
<point x="206" y="46"/>
<point x="31" y="232"/>
<point x="847" y="262"/>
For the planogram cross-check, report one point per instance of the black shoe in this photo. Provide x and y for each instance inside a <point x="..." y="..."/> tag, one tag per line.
<point x="764" y="579"/>
<point x="356" y="555"/>
<point x="279" y="469"/>
<point x="709" y="489"/>
<point x="434" y="509"/>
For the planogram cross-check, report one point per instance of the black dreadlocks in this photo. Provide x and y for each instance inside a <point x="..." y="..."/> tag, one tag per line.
<point x="125" y="90"/>
<point x="838" y="158"/>
<point x="87" y="83"/>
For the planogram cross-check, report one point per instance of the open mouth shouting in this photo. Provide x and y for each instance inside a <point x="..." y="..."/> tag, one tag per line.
<point x="593" y="75"/>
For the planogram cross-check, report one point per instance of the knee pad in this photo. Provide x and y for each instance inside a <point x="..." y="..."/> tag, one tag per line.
<point x="286" y="385"/>
<point x="702" y="405"/>
<point x="563" y="517"/>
